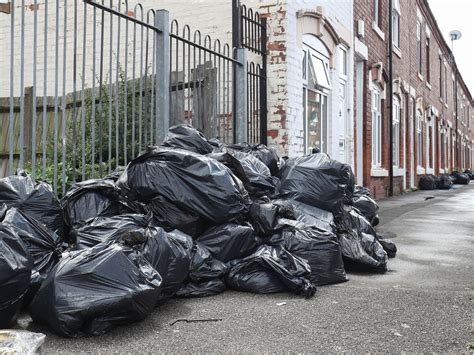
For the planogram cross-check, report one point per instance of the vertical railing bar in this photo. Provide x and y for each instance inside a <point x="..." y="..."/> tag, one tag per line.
<point x="249" y="93"/>
<point x="153" y="78"/>
<point x="140" y="101"/>
<point x="110" y="91"/>
<point x="56" y="103"/>
<point x="254" y="104"/>
<point x="63" y="103"/>
<point x="22" y="86"/>
<point x="94" y="48"/>
<point x="12" y="77"/>
<point x="189" y="112"/>
<point x="195" y="87"/>
<point x="229" y="93"/>
<point x="45" y="86"/>
<point x="145" y="84"/>
<point x="125" y="92"/>
<point x="184" y="76"/>
<point x="172" y="118"/>
<point x="74" y="98"/>
<point x="101" y="89"/>
<point x="83" y="108"/>
<point x="117" y="91"/>
<point x="134" y="85"/>
<point x="176" y="79"/>
<point x="33" y="128"/>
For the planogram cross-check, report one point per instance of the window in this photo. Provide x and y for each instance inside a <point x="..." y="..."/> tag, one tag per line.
<point x="419" y="139"/>
<point x="427" y="60"/>
<point x="376" y="128"/>
<point x="316" y="85"/>
<point x="396" y="13"/>
<point x="342" y="56"/>
<point x="454" y="94"/>
<point x="429" y="148"/>
<point x="445" y="98"/>
<point x="441" y="80"/>
<point x="418" y="45"/>
<point x="377" y="12"/>
<point x="396" y="132"/>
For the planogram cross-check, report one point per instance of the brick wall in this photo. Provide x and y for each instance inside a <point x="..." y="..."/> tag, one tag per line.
<point x="408" y="83"/>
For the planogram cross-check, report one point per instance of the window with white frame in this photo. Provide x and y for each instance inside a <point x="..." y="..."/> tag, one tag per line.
<point x="429" y="148"/>
<point x="419" y="139"/>
<point x="377" y="8"/>
<point x="396" y="14"/>
<point x="396" y="131"/>
<point x="418" y="46"/>
<point x="342" y="58"/>
<point x="376" y="127"/>
<point x="445" y="98"/>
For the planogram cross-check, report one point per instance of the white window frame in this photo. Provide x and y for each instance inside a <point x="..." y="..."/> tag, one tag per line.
<point x="419" y="138"/>
<point x="429" y="148"/>
<point x="376" y="127"/>
<point x="396" y="131"/>
<point x="396" y="16"/>
<point x="419" y="56"/>
<point x="376" y="12"/>
<point x="342" y="62"/>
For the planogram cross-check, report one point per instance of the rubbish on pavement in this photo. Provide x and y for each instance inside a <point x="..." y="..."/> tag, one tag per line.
<point x="20" y="342"/>
<point x="35" y="199"/>
<point x="229" y="241"/>
<point x="187" y="137"/>
<point x="15" y="273"/>
<point x="461" y="178"/>
<point x="318" y="181"/>
<point x="366" y="205"/>
<point x="204" y="185"/>
<point x="269" y="270"/>
<point x="196" y="320"/>
<point x="44" y="245"/>
<point x="320" y="248"/>
<point x="427" y="182"/>
<point x="91" y="291"/>
<point x="443" y="182"/>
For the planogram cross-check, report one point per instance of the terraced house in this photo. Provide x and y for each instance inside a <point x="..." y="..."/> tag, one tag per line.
<point x="432" y="106"/>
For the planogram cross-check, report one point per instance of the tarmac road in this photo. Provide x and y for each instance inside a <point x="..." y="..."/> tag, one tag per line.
<point x="424" y="302"/>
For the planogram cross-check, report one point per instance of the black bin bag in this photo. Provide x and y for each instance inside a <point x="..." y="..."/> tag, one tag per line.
<point x="319" y="248"/>
<point x="205" y="186"/>
<point x="266" y="155"/>
<point x="461" y="178"/>
<point x="35" y="199"/>
<point x="312" y="216"/>
<point x="95" y="198"/>
<point x="270" y="270"/>
<point x="44" y="245"/>
<point x="91" y="291"/>
<point x="427" y="182"/>
<point x="443" y="182"/>
<point x="187" y="137"/>
<point x="266" y="218"/>
<point x="363" y="201"/>
<point x="361" y="249"/>
<point x="205" y="275"/>
<point x="229" y="241"/>
<point x="15" y="273"/>
<point x="318" y="181"/>
<point x="170" y="254"/>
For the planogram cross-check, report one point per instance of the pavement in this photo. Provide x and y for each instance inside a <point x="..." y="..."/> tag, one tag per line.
<point x="422" y="304"/>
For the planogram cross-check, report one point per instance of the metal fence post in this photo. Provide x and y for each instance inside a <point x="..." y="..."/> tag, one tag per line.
<point x="240" y="96"/>
<point x="162" y="80"/>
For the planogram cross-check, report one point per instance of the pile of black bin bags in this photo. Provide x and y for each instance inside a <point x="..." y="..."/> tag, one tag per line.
<point x="189" y="218"/>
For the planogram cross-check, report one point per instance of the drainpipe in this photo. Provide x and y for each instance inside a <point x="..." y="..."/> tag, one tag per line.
<point x="456" y="110"/>
<point x="390" y="94"/>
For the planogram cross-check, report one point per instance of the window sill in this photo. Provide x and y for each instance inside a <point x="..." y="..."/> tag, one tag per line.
<point x="378" y="31"/>
<point x="420" y="170"/>
<point x="377" y="171"/>
<point x="445" y="105"/>
<point x="398" y="171"/>
<point x="442" y="171"/>
<point x="397" y="51"/>
<point x="420" y="76"/>
<point x="428" y="85"/>
<point x="429" y="171"/>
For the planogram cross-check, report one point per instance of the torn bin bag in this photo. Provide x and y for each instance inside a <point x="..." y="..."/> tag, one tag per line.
<point x="319" y="248"/>
<point x="187" y="137"/>
<point x="91" y="291"/>
<point x="269" y="270"/>
<point x="95" y="198"/>
<point x="229" y="241"/>
<point x="36" y="199"/>
<point x="318" y="181"/>
<point x="15" y="273"/>
<point x="205" y="186"/>
<point x="44" y="245"/>
<point x="205" y="275"/>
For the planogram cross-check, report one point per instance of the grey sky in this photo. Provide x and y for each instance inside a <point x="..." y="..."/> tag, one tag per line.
<point x="458" y="15"/>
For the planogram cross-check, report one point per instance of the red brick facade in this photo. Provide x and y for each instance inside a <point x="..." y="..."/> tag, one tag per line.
<point x="417" y="91"/>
